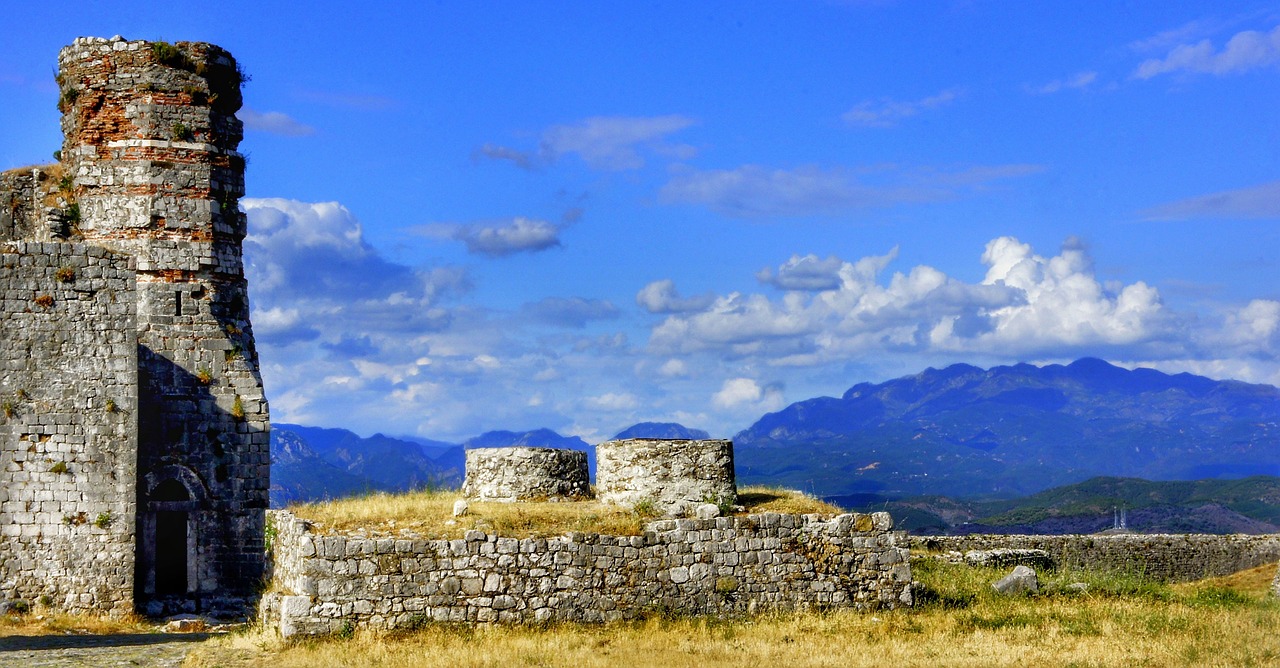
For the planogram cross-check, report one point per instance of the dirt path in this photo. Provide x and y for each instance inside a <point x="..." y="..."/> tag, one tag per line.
<point x="105" y="651"/>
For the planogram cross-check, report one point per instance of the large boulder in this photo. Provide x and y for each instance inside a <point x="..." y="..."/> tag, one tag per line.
<point x="1022" y="580"/>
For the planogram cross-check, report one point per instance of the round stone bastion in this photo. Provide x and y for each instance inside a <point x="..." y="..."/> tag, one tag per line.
<point x="674" y="474"/>
<point x="526" y="474"/>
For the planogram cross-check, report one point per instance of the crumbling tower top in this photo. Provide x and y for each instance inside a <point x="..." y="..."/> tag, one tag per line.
<point x="150" y="138"/>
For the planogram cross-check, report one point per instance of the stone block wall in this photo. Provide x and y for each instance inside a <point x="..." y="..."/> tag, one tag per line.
<point x="1167" y="557"/>
<point x="723" y="566"/>
<point x="524" y="473"/>
<point x="673" y="474"/>
<point x="68" y="425"/>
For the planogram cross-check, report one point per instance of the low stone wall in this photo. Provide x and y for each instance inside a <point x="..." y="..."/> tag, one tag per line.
<point x="524" y="473"/>
<point x="673" y="474"/>
<point x="1167" y="557"/>
<point x="724" y="566"/>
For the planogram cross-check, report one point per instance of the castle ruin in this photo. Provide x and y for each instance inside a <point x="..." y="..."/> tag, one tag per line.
<point x="134" y="454"/>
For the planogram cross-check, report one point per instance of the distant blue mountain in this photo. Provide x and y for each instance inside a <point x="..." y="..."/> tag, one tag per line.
<point x="299" y="474"/>
<point x="375" y="463"/>
<point x="1009" y="431"/>
<point x="963" y="432"/>
<point x="671" y="430"/>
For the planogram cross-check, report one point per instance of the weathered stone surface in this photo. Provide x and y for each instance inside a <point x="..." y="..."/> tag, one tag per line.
<point x="724" y="566"/>
<point x="1022" y="580"/>
<point x="1168" y="557"/>
<point x="706" y="511"/>
<point x="68" y="425"/>
<point x="525" y="473"/>
<point x="1003" y="556"/>
<point x="673" y="475"/>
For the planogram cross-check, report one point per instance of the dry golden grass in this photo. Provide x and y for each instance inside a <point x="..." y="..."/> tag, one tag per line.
<point x="1120" y="622"/>
<point x="429" y="513"/>
<point x="1254" y="582"/>
<point x="765" y="499"/>
<point x="42" y="622"/>
<point x="26" y="169"/>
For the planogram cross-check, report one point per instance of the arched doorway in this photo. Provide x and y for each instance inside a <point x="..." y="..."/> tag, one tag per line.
<point x="172" y="501"/>
<point x="171" y="538"/>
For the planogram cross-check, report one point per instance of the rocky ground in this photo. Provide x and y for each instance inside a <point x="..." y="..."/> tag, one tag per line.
<point x="153" y="650"/>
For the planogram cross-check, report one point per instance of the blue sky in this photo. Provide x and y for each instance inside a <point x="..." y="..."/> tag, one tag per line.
<point x="582" y="215"/>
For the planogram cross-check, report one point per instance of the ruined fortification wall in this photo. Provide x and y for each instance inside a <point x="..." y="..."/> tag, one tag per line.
<point x="1168" y="557"/>
<point x="68" y="422"/>
<point x="724" y="566"/>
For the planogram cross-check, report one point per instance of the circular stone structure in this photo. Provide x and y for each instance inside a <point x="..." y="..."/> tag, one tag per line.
<point x="526" y="474"/>
<point x="673" y="474"/>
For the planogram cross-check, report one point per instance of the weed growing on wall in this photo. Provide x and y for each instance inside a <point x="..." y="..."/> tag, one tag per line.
<point x="69" y="96"/>
<point x="171" y="55"/>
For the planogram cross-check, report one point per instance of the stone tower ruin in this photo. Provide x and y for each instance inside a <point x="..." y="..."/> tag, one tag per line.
<point x="135" y="431"/>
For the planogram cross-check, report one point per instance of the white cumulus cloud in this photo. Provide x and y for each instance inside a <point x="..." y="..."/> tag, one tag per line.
<point x="662" y="297"/>
<point x="1078" y="81"/>
<point x="274" y="122"/>
<point x="1260" y="201"/>
<point x="887" y="112"/>
<point x="740" y="393"/>
<point x="500" y="239"/>
<point x="612" y="401"/>
<point x="754" y="191"/>
<point x="1246" y="50"/>
<point x="804" y="273"/>
<point x="1027" y="304"/>
<point x="613" y="143"/>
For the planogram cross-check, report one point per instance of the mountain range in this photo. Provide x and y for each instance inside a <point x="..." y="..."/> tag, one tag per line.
<point x="961" y="432"/>
<point x="1010" y="431"/>
<point x="311" y="463"/>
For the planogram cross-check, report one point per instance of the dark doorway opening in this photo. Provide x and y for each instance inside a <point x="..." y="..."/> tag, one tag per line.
<point x="172" y="544"/>
<point x="171" y="552"/>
